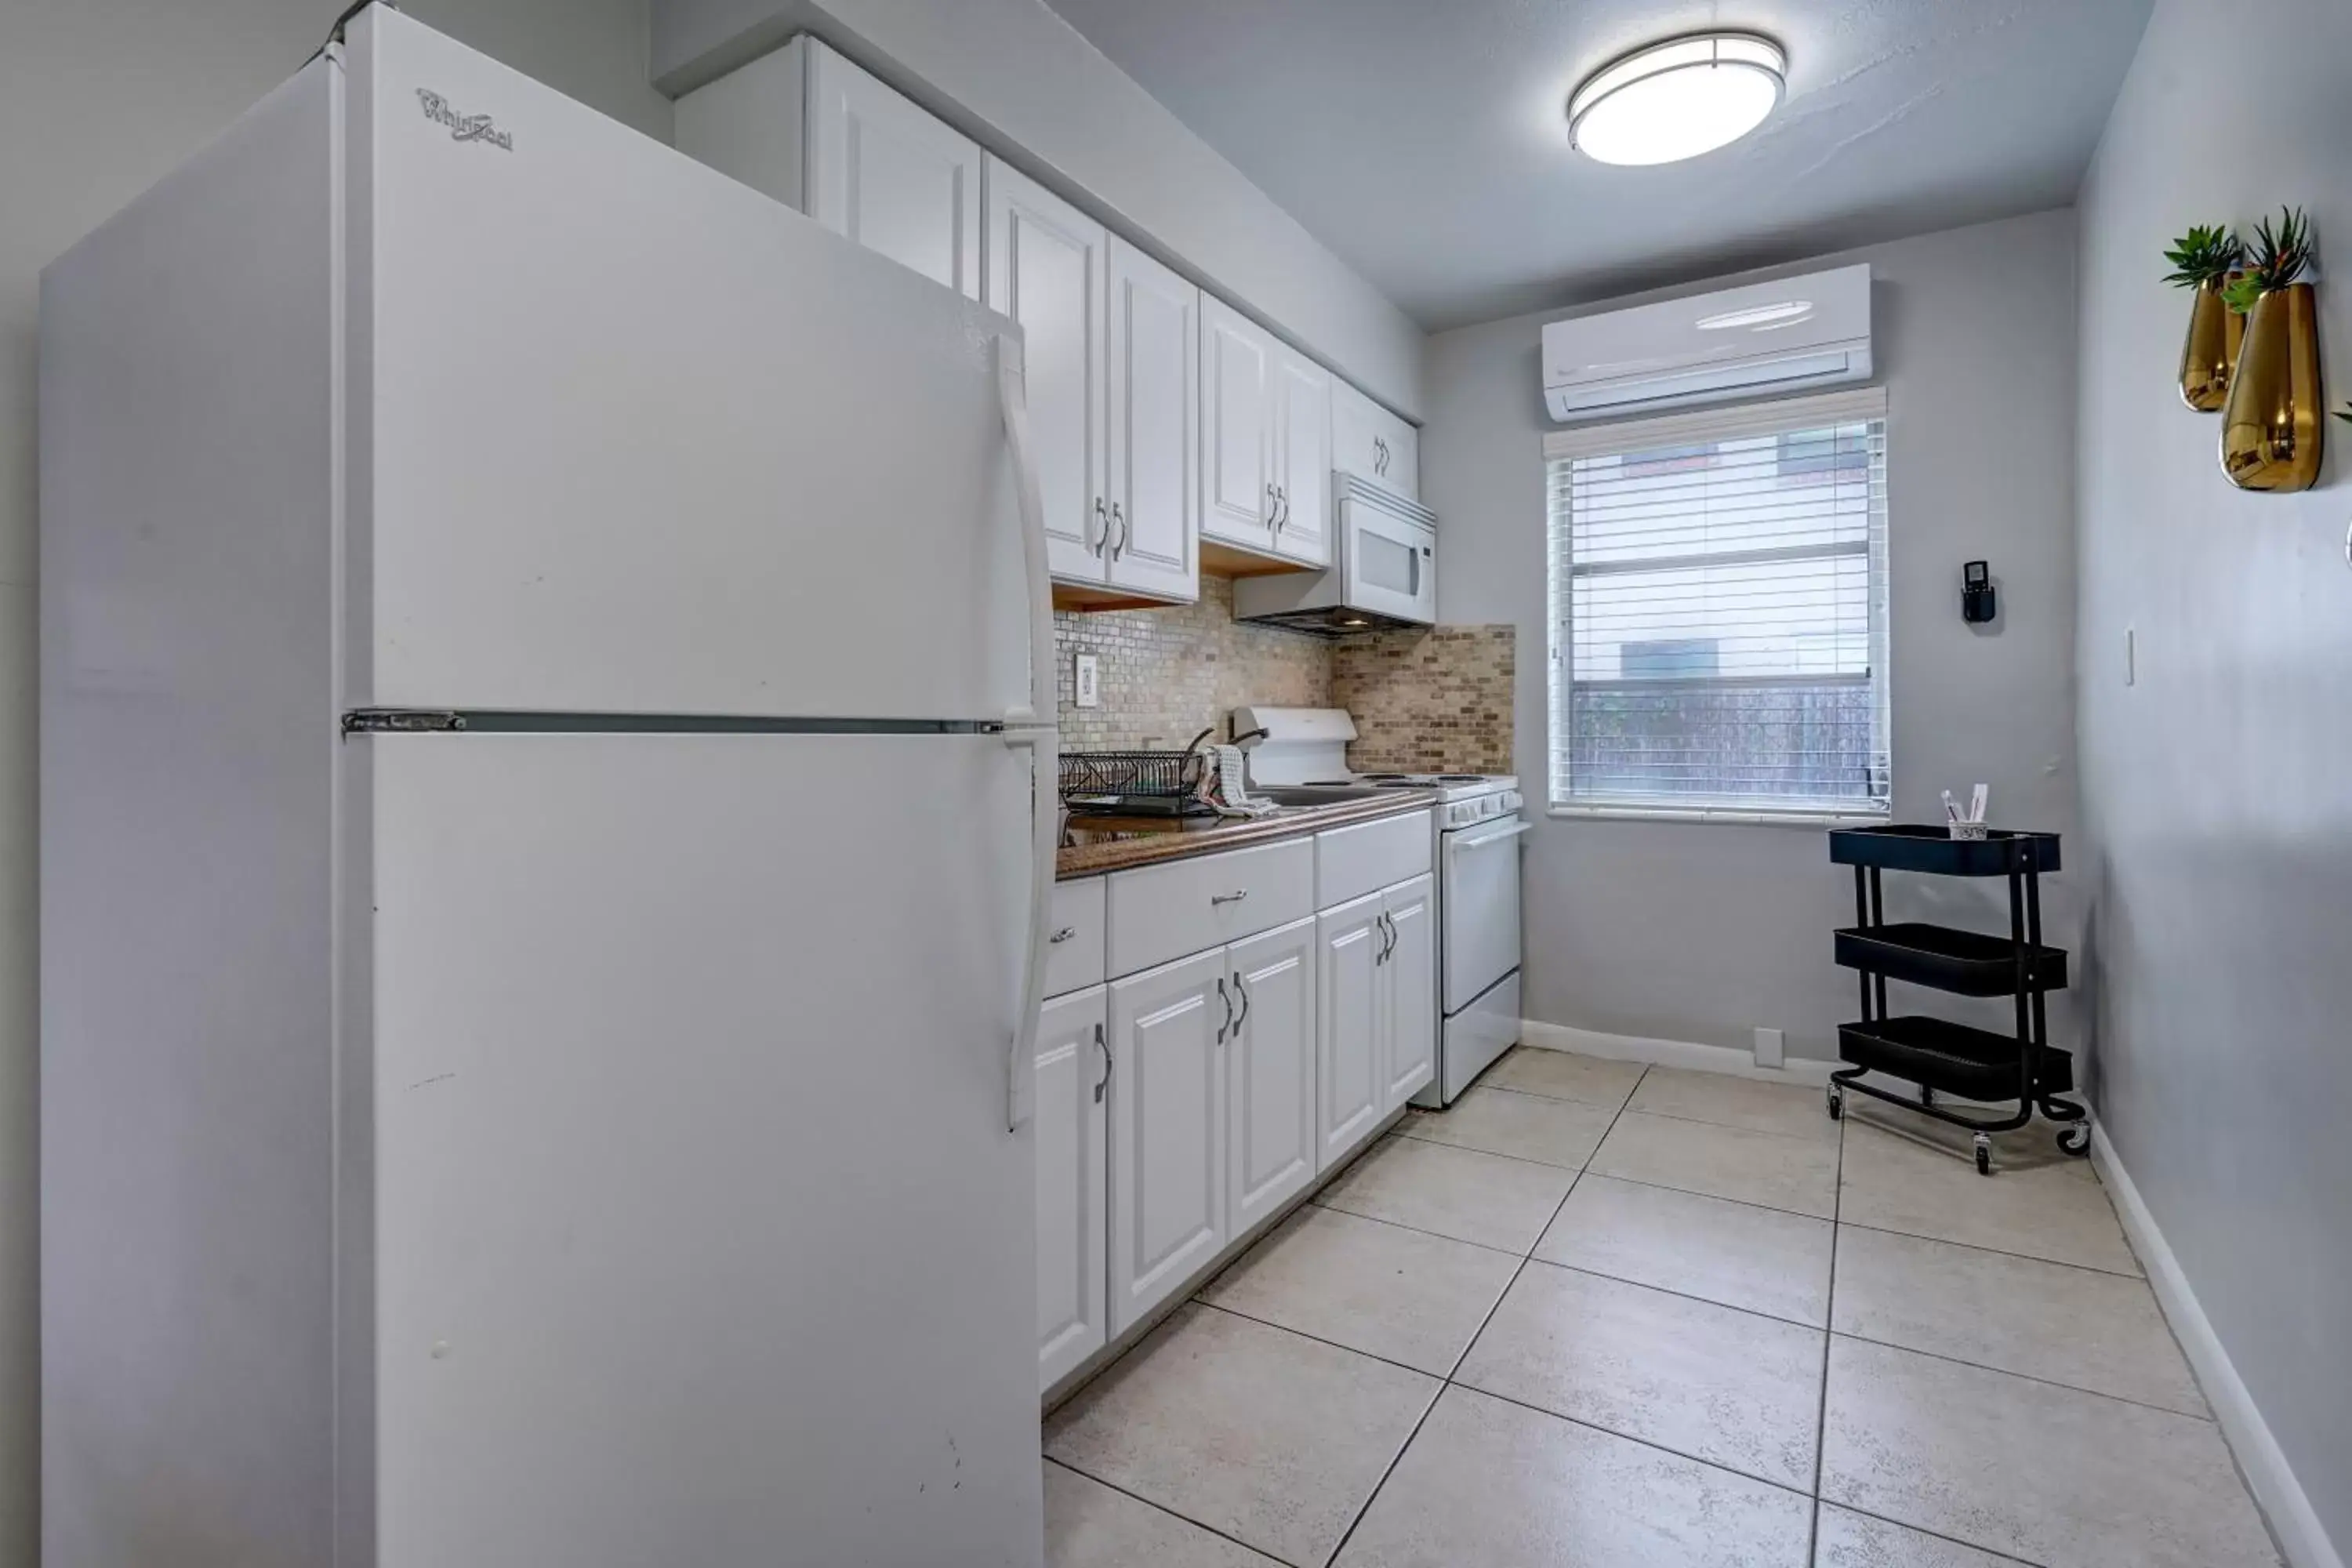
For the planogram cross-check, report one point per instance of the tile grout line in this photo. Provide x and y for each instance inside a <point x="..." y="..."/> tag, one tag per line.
<point x="1686" y="1295"/>
<point x="1162" y="1508"/>
<point x="1931" y="1534"/>
<point x="1400" y="1224"/>
<point x="1996" y="1251"/>
<point x="1829" y="1339"/>
<point x="2020" y="1376"/>
<point x="1448" y="1381"/>
<point x="1693" y="1192"/>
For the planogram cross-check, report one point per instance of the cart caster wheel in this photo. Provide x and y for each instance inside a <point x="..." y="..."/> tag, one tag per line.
<point x="1837" y="1103"/>
<point x="1926" y="1095"/>
<point x="2075" y="1141"/>
<point x="1984" y="1156"/>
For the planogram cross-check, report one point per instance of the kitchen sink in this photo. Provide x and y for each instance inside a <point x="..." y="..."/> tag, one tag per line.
<point x="1315" y="795"/>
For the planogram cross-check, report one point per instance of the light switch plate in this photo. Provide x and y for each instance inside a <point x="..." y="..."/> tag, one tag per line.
<point x="1087" y="680"/>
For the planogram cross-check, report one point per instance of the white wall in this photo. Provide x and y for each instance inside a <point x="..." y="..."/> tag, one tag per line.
<point x="2218" y="790"/>
<point x="1703" y="932"/>
<point x="98" y="99"/>
<point x="1026" y="84"/>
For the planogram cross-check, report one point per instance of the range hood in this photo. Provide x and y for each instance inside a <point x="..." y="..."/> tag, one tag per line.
<point x="1383" y="571"/>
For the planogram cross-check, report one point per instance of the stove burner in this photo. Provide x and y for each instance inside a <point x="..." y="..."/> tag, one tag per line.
<point x="1387" y="778"/>
<point x="1461" y="778"/>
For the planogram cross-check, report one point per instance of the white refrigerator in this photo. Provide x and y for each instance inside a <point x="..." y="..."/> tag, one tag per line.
<point x="546" y="826"/>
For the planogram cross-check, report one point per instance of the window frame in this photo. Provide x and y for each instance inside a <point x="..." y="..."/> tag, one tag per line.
<point x="1778" y="418"/>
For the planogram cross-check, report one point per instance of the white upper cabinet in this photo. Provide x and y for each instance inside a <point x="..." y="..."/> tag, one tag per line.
<point x="1270" y="1073"/>
<point x="1074" y="1070"/>
<point x="1369" y="441"/>
<point x="1409" y="990"/>
<point x="1049" y="270"/>
<point x="1266" y="441"/>
<point x="1236" y="428"/>
<point x="806" y="126"/>
<point x="1168" y="1033"/>
<point x="1302" y="469"/>
<point x="890" y="176"/>
<point x="1153" y="467"/>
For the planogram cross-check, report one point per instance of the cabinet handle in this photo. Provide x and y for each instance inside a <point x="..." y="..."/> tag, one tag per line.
<point x="1103" y="1083"/>
<point x="1388" y="938"/>
<point x="1244" y="994"/>
<point x="1063" y="935"/>
<point x="1380" y="456"/>
<point x="1226" y="997"/>
<point x="1282" y="499"/>
<point x="1097" y="546"/>
<point x="1232" y="897"/>
<point x="1273" y="508"/>
<point x="1126" y="534"/>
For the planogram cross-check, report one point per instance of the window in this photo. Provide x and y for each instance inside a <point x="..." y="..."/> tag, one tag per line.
<point x="1718" y="612"/>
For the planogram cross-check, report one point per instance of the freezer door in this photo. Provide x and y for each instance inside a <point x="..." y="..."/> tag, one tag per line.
<point x="700" y="1237"/>
<point x="628" y="437"/>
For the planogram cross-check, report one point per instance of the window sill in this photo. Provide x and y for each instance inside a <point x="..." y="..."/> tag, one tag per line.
<point x="1812" y="819"/>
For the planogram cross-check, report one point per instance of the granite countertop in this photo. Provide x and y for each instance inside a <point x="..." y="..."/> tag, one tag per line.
<point x="1094" y="845"/>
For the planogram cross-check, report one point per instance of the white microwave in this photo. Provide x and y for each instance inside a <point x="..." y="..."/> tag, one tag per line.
<point x="1384" y="570"/>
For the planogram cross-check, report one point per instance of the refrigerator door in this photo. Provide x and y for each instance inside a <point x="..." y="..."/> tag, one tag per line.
<point x="699" y="1238"/>
<point x="628" y="437"/>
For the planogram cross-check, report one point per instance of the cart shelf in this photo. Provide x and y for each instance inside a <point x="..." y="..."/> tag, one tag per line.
<point x="1936" y="1055"/>
<point x="1951" y="1058"/>
<point x="1933" y="850"/>
<point x="1965" y="963"/>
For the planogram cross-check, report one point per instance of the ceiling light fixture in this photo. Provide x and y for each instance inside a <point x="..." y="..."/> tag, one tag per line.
<point x="1677" y="99"/>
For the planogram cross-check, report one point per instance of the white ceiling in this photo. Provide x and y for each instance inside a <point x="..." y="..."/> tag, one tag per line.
<point x="1425" y="142"/>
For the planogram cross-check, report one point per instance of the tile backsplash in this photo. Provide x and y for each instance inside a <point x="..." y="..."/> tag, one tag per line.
<point x="1434" y="700"/>
<point x="1168" y="674"/>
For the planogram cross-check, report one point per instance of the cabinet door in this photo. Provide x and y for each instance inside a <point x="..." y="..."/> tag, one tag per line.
<point x="1048" y="266"/>
<point x="1369" y="441"/>
<point x="1236" y="427"/>
<point x="1155" y="472"/>
<point x="1409" y="991"/>
<point x="1168" y="1029"/>
<point x="890" y="176"/>
<point x="1073" y="1182"/>
<point x="1302" y="477"/>
<point x="1270" y="1069"/>
<point x="1348" y="1064"/>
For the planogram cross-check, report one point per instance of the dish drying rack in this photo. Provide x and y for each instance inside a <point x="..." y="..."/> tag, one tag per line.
<point x="1135" y="783"/>
<point x="1935" y="1055"/>
<point x="1148" y="784"/>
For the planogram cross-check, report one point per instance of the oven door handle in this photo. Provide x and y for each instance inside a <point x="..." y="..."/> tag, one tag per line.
<point x="1457" y="841"/>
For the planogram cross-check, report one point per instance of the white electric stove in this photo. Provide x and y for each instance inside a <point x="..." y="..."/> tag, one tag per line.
<point x="1478" y="826"/>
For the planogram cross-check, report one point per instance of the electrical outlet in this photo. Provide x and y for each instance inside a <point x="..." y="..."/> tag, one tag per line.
<point x="1769" y="1044"/>
<point x="1087" y="680"/>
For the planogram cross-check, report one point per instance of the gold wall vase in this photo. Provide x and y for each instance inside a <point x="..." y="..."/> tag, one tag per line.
<point x="2210" y="355"/>
<point x="2272" y="425"/>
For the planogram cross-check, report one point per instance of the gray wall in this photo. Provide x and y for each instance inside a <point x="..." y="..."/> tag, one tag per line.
<point x="1703" y="932"/>
<point x="98" y="99"/>
<point x="2218" y="790"/>
<point x="1023" y="82"/>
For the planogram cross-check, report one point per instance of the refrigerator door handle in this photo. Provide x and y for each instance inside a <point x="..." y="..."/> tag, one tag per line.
<point x="1032" y="728"/>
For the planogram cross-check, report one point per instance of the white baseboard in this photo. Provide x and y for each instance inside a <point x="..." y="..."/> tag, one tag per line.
<point x="1687" y="1054"/>
<point x="2268" y="1476"/>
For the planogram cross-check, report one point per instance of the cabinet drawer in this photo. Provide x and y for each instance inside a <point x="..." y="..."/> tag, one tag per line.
<point x="1074" y="937"/>
<point x="1163" y="912"/>
<point x="1352" y="861"/>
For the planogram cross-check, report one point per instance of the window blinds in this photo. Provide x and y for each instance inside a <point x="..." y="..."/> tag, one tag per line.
<point x="1718" y="611"/>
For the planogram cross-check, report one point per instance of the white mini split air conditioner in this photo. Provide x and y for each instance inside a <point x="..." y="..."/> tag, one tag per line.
<point x="1761" y="338"/>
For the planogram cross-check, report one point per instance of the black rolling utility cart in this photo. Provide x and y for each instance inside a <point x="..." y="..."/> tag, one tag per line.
<point x="1936" y="1055"/>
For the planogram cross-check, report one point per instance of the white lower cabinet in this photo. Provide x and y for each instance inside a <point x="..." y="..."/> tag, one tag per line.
<point x="1270" y="1074"/>
<point x="1168" y="1032"/>
<point x="1349" y="1068"/>
<point x="1409" y="991"/>
<point x="1073" y="1181"/>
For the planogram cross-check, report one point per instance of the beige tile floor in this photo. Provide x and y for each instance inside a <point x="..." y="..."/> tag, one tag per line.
<point x="1599" y="1316"/>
